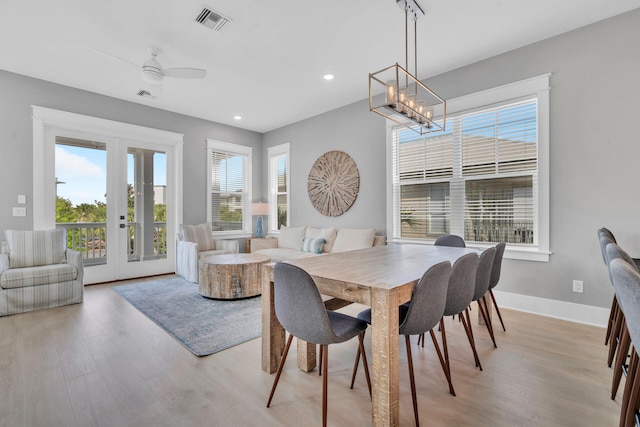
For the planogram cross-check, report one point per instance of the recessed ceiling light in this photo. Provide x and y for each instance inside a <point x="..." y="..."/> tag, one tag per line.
<point x="237" y="117"/>
<point x="328" y="76"/>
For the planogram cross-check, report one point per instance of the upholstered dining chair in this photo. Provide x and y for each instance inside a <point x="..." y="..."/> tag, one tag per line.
<point x="604" y="238"/>
<point x="418" y="316"/>
<point x="483" y="279"/>
<point x="300" y="310"/>
<point x="459" y="295"/>
<point x="626" y="282"/>
<point x="450" y="240"/>
<point x="495" y="278"/>
<point x="621" y="338"/>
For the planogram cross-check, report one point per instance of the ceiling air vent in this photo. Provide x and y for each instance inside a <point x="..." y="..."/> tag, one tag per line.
<point x="211" y="19"/>
<point x="145" y="93"/>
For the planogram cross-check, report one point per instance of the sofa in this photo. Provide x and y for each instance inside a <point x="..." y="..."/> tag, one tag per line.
<point x="195" y="242"/>
<point x="37" y="271"/>
<point x="302" y="242"/>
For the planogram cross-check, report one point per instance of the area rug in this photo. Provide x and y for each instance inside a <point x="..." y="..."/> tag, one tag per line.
<point x="203" y="325"/>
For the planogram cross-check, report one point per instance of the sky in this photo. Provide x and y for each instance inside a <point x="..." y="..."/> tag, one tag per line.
<point x="84" y="173"/>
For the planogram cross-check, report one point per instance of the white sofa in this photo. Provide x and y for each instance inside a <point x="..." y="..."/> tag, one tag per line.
<point x="37" y="271"/>
<point x="302" y="242"/>
<point x="195" y="242"/>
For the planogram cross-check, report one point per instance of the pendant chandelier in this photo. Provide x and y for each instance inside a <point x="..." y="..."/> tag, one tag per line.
<point x="398" y="95"/>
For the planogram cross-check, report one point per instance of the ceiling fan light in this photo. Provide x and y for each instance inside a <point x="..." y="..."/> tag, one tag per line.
<point x="151" y="75"/>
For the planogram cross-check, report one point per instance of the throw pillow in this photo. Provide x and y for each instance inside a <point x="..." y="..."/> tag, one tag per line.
<point x="313" y="244"/>
<point x="291" y="237"/>
<point x="34" y="248"/>
<point x="200" y="234"/>
<point x="352" y="239"/>
<point x="328" y="234"/>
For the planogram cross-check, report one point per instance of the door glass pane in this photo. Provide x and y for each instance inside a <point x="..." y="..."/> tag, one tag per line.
<point x="81" y="204"/>
<point x="146" y="222"/>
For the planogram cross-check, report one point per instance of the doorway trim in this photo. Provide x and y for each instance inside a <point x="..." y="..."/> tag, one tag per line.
<point x="46" y="120"/>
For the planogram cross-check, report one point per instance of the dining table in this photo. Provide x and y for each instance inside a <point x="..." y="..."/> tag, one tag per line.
<point x="383" y="278"/>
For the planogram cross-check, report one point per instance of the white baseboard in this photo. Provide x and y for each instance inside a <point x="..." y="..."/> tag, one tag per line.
<point x="587" y="314"/>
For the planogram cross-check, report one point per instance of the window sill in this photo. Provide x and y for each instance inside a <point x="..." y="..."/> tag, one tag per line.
<point x="232" y="235"/>
<point x="518" y="253"/>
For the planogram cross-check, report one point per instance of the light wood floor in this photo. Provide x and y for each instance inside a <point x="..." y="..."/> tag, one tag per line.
<point x="102" y="363"/>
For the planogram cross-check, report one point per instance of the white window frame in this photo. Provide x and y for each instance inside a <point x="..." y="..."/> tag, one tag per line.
<point x="241" y="150"/>
<point x="272" y="153"/>
<point x="535" y="86"/>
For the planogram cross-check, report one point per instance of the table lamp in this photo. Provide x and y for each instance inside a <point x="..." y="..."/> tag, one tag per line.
<point x="259" y="209"/>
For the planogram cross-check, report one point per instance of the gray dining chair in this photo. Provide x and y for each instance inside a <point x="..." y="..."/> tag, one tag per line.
<point x="626" y="282"/>
<point x="450" y="240"/>
<point x="300" y="310"/>
<point x="459" y="295"/>
<point x="621" y="331"/>
<point x="483" y="280"/>
<point x="615" y="324"/>
<point x="495" y="278"/>
<point x="418" y="316"/>
<point x="604" y="238"/>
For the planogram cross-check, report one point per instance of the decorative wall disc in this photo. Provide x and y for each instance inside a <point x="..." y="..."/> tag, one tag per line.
<point x="333" y="184"/>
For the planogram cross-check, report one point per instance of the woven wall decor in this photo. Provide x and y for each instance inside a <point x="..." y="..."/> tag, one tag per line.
<point x="333" y="184"/>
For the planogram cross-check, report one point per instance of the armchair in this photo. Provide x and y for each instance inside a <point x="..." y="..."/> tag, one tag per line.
<point x="195" y="242"/>
<point x="38" y="271"/>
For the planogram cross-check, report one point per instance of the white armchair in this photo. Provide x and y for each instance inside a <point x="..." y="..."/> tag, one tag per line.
<point x="195" y="242"/>
<point x="38" y="271"/>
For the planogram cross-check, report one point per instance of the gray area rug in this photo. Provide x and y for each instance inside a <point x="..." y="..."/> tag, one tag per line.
<point x="203" y="325"/>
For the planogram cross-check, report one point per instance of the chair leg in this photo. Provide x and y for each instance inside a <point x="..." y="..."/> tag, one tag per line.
<point x="355" y="368"/>
<point x="447" y="365"/>
<point x="412" y="380"/>
<point x="447" y="374"/>
<point x="612" y="313"/>
<point x="487" y="320"/>
<point x="634" y="398"/>
<point x="280" y="366"/>
<point x="364" y="362"/>
<point x="466" y="322"/>
<point x="615" y="337"/>
<point x="626" y="397"/>
<point x="325" y="350"/>
<point x="621" y="358"/>
<point x="495" y="304"/>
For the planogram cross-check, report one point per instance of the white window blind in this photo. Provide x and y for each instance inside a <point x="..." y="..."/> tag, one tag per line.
<point x="229" y="166"/>
<point x="478" y="179"/>
<point x="278" y="186"/>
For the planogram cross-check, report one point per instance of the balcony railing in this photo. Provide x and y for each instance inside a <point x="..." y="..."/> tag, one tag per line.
<point x="90" y="239"/>
<point x="500" y="231"/>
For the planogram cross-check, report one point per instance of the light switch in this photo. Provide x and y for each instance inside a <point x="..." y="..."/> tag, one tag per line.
<point x="22" y="199"/>
<point x="19" y="211"/>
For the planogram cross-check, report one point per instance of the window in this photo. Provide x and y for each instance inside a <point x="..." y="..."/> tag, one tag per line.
<point x="484" y="178"/>
<point x="229" y="194"/>
<point x="278" y="186"/>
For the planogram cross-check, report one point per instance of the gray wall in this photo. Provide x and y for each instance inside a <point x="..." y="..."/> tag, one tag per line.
<point x="19" y="93"/>
<point x="594" y="152"/>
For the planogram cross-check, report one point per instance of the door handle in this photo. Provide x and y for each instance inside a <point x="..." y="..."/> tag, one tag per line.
<point x="122" y="225"/>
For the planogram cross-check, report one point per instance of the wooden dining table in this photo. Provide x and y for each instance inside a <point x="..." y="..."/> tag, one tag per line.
<point x="381" y="277"/>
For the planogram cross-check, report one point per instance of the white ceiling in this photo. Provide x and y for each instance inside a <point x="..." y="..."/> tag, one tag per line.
<point x="267" y="65"/>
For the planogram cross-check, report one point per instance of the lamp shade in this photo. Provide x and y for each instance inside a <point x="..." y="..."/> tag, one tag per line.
<point x="260" y="209"/>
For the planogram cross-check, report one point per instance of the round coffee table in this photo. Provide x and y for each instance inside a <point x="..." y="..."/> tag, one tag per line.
<point x="231" y="276"/>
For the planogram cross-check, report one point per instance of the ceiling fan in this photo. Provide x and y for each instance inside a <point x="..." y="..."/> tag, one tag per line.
<point x="154" y="73"/>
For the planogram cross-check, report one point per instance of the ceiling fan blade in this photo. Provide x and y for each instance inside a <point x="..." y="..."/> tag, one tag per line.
<point x="185" y="73"/>
<point x="110" y="55"/>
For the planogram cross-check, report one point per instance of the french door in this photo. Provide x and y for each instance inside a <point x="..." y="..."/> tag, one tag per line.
<point x="115" y="194"/>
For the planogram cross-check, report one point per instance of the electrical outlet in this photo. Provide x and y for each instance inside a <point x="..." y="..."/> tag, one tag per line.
<point x="578" y="286"/>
